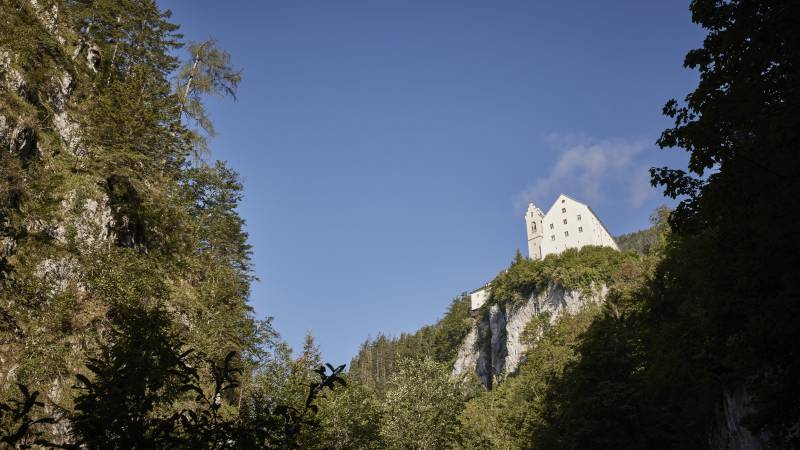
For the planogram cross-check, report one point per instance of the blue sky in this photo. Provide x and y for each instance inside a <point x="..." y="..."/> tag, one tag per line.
<point x="388" y="148"/>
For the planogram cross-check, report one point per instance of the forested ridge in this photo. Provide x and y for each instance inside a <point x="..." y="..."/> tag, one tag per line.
<point x="125" y="269"/>
<point x="696" y="344"/>
<point x="647" y="240"/>
<point x="124" y="266"/>
<point x="507" y="415"/>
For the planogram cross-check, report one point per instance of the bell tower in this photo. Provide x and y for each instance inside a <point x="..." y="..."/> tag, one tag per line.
<point x="533" y="222"/>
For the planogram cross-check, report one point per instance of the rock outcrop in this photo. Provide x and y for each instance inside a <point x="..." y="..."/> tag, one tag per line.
<point x="73" y="216"/>
<point x="494" y="345"/>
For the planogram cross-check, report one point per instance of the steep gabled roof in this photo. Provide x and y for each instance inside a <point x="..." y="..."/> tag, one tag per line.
<point x="555" y="202"/>
<point x="604" y="226"/>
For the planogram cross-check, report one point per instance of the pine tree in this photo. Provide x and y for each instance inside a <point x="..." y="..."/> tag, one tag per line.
<point x="101" y="206"/>
<point x="208" y="71"/>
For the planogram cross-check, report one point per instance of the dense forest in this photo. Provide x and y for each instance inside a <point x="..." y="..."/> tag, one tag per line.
<point x="647" y="240"/>
<point x="124" y="267"/>
<point x="508" y="415"/>
<point x="125" y="270"/>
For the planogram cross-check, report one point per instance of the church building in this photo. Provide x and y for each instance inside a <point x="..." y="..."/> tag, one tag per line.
<point x="567" y="224"/>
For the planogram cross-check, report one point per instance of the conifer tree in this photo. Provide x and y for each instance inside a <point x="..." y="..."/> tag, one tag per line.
<point x="208" y="71"/>
<point x="118" y="250"/>
<point x="100" y="205"/>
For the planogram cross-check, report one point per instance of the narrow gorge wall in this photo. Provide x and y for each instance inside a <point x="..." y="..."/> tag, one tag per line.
<point x="494" y="345"/>
<point x="494" y="348"/>
<point x="728" y="432"/>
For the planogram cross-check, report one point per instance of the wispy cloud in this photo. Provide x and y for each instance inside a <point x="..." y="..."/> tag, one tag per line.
<point x="593" y="170"/>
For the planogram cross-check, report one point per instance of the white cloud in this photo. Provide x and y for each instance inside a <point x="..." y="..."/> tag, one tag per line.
<point x="593" y="171"/>
<point x="640" y="188"/>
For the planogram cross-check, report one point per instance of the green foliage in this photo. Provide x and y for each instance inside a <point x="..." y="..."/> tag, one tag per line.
<point x="377" y="359"/>
<point x="116" y="246"/>
<point x="506" y="416"/>
<point x="718" y="313"/>
<point x="595" y="401"/>
<point x="18" y="426"/>
<point x="119" y="405"/>
<point x="99" y="207"/>
<point x="479" y="424"/>
<point x="650" y="240"/>
<point x="583" y="270"/>
<point x="530" y="408"/>
<point x="280" y="384"/>
<point x="728" y="290"/>
<point x="349" y="418"/>
<point x="208" y="71"/>
<point x="145" y="391"/>
<point x="421" y="406"/>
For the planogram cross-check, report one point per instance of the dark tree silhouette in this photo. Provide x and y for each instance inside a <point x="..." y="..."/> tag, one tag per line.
<point x="732" y="279"/>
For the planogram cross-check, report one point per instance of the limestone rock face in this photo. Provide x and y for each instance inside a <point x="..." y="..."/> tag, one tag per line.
<point x="483" y="358"/>
<point x="493" y="348"/>
<point x="518" y="318"/>
<point x="467" y="359"/>
<point x="497" y="339"/>
<point x="494" y="345"/>
<point x="77" y="219"/>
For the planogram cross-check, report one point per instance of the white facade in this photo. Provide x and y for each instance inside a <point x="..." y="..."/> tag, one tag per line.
<point x="478" y="297"/>
<point x="568" y="224"/>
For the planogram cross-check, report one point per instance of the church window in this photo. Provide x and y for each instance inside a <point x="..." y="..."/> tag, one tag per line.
<point x="579" y="217"/>
<point x="580" y="229"/>
<point x="565" y="221"/>
<point x="562" y="200"/>
<point x="566" y="233"/>
<point x="563" y="210"/>
<point x="551" y="226"/>
<point x="553" y="237"/>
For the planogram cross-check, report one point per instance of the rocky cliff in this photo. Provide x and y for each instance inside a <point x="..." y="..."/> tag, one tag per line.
<point x="101" y="206"/>
<point x="494" y="345"/>
<point x="727" y="431"/>
<point x="494" y="348"/>
<point x="51" y="213"/>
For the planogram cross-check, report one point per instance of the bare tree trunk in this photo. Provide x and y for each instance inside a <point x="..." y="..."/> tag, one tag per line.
<point x="113" y="55"/>
<point x="189" y="81"/>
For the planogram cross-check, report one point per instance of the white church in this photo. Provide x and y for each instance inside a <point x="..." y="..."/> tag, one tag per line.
<point x="567" y="224"/>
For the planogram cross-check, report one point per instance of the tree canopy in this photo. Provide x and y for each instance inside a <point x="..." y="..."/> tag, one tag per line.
<point x="125" y="269"/>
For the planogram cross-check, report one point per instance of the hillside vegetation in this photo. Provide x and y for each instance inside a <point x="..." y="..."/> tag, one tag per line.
<point x="506" y="416"/>
<point x="580" y="270"/>
<point x="647" y="240"/>
<point x="574" y="269"/>
<point x="696" y="345"/>
<point x="125" y="270"/>
<point x="378" y="358"/>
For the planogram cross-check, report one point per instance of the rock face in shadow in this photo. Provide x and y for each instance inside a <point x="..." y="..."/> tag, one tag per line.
<point x="494" y="347"/>
<point x="728" y="433"/>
